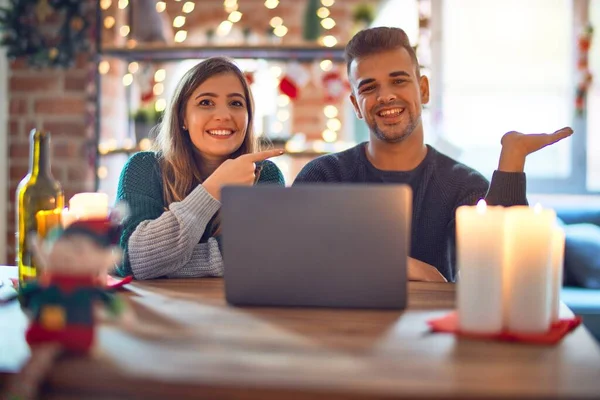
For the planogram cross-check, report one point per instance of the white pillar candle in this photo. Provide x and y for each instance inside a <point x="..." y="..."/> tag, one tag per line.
<point x="528" y="270"/>
<point x="67" y="218"/>
<point x="480" y="252"/>
<point x="558" y="256"/>
<point x="89" y="205"/>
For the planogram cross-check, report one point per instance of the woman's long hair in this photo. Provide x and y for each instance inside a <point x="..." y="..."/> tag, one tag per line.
<point x="180" y="174"/>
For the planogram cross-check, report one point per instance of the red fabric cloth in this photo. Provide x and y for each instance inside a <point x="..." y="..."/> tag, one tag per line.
<point x="114" y="283"/>
<point x="111" y="282"/>
<point x="75" y="338"/>
<point x="449" y="324"/>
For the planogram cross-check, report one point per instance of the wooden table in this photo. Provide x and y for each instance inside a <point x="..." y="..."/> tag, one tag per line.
<point x="188" y="343"/>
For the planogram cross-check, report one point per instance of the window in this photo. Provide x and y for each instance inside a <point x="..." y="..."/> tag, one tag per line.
<point x="593" y="111"/>
<point x="507" y="65"/>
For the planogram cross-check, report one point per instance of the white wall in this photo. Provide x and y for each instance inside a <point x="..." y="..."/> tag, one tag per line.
<point x="3" y="148"/>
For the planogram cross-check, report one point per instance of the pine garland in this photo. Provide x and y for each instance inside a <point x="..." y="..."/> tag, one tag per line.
<point x="26" y="32"/>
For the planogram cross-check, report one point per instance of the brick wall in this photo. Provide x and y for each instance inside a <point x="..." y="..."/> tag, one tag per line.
<point x="62" y="102"/>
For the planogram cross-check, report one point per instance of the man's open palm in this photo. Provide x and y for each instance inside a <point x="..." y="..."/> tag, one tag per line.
<point x="525" y="144"/>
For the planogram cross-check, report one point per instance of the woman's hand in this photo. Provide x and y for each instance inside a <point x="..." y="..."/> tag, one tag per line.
<point x="420" y="271"/>
<point x="238" y="171"/>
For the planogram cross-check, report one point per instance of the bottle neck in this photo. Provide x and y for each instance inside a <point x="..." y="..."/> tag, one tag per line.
<point x="39" y="156"/>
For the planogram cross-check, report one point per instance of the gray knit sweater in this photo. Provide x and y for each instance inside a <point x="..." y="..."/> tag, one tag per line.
<point x="161" y="241"/>
<point x="440" y="185"/>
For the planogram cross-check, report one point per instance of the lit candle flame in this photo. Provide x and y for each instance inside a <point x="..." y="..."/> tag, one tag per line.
<point x="481" y="206"/>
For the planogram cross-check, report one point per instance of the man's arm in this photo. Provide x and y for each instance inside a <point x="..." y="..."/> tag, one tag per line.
<point x="508" y="186"/>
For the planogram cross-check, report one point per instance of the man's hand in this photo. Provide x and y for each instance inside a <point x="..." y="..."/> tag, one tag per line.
<point x="238" y="171"/>
<point x="517" y="146"/>
<point x="420" y="271"/>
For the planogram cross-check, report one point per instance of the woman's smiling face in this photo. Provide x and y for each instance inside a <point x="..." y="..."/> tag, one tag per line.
<point x="216" y="116"/>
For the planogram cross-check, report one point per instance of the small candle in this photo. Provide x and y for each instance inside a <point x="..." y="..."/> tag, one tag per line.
<point x="480" y="253"/>
<point x="558" y="256"/>
<point x="47" y="220"/>
<point x="528" y="270"/>
<point x="89" y="205"/>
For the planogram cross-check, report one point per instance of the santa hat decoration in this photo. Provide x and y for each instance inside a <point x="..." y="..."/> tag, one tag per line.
<point x="294" y="79"/>
<point x="146" y="82"/>
<point x="334" y="86"/>
<point x="249" y="75"/>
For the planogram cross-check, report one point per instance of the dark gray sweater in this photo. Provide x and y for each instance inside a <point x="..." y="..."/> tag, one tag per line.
<point x="440" y="185"/>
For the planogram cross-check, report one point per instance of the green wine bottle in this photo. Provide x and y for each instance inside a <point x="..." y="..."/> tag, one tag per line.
<point x="38" y="191"/>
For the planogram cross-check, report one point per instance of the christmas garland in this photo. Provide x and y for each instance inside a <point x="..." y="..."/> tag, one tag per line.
<point x="585" y="75"/>
<point x="27" y="31"/>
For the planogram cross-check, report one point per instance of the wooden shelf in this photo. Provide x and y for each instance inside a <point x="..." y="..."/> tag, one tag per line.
<point x="146" y="52"/>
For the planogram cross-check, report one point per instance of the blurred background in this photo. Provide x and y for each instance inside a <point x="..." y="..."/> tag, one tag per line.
<point x="102" y="81"/>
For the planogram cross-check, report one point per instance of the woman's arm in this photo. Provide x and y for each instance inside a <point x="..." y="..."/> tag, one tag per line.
<point x="168" y="245"/>
<point x="159" y="241"/>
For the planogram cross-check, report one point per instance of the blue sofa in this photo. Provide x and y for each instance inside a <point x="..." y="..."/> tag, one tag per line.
<point x="582" y="259"/>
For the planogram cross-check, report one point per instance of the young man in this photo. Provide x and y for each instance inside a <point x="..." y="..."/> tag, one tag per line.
<point x="388" y="93"/>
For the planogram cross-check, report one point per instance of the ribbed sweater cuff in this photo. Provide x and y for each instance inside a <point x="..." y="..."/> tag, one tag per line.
<point x="196" y="210"/>
<point x="507" y="189"/>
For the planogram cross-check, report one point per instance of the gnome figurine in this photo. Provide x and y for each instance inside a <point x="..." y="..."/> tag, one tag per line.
<point x="61" y="302"/>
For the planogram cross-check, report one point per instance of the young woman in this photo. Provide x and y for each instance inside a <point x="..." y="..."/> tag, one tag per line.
<point x="205" y="141"/>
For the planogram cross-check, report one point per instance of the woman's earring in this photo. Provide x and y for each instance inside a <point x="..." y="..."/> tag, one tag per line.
<point x="184" y="128"/>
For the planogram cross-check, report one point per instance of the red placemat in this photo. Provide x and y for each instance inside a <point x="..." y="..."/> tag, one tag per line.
<point x="449" y="324"/>
<point x="111" y="281"/>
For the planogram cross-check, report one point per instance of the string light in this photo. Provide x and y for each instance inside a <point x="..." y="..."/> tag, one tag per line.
<point x="127" y="79"/>
<point x="280" y="31"/>
<point x="330" y="111"/>
<point x="323" y="12"/>
<point x="276" y="71"/>
<point x="105" y="4"/>
<point x="188" y="7"/>
<point x="283" y="115"/>
<point x="160" y="75"/>
<point x="145" y="144"/>
<point x="224" y="28"/>
<point x="111" y="144"/>
<point x="235" y="16"/>
<point x="102" y="172"/>
<point x="283" y="100"/>
<point x="103" y="148"/>
<point x="230" y="5"/>
<point x="109" y="22"/>
<point x="277" y="127"/>
<point x="124" y="30"/>
<point x="127" y="143"/>
<point x="271" y="4"/>
<point x="328" y="23"/>
<point x="329" y="41"/>
<point x="329" y="136"/>
<point x="161" y="6"/>
<point x="334" y="124"/>
<point x="179" y="21"/>
<point x="160" y="105"/>
<point x="180" y="36"/>
<point x="326" y="65"/>
<point x="123" y="4"/>
<point x="133" y="67"/>
<point x="158" y="89"/>
<point x="104" y="67"/>
<point x="327" y="3"/>
<point x="276" y="21"/>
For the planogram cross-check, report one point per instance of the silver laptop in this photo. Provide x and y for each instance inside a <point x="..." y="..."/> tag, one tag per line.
<point x="318" y="245"/>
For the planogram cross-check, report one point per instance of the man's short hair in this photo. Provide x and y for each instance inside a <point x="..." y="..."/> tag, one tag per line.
<point x="376" y="40"/>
